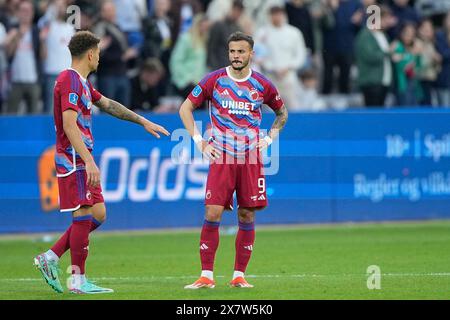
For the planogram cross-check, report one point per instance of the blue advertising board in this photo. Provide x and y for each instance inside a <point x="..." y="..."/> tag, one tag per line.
<point x="327" y="167"/>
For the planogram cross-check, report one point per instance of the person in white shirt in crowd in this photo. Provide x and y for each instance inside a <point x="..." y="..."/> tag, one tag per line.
<point x="129" y="17"/>
<point x="308" y="98"/>
<point x="23" y="50"/>
<point x="55" y="36"/>
<point x="282" y="52"/>
<point x="258" y="10"/>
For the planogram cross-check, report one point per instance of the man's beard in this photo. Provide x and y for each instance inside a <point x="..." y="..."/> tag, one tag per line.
<point x="243" y="65"/>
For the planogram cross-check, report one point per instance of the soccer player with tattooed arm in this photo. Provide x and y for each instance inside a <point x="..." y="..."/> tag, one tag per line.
<point x="78" y="176"/>
<point x="236" y="95"/>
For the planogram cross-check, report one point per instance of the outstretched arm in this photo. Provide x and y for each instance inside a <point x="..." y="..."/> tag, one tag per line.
<point x="277" y="126"/>
<point x="119" y="111"/>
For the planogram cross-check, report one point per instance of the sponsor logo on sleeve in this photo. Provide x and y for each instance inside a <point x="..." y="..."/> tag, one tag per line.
<point x="73" y="98"/>
<point x="197" y="90"/>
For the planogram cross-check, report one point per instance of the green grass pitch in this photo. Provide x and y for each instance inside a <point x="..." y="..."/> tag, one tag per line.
<point x="305" y="262"/>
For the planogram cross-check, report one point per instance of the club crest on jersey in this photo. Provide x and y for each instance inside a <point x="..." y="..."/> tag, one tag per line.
<point x="254" y="95"/>
<point x="197" y="90"/>
<point x="73" y="98"/>
<point x="88" y="195"/>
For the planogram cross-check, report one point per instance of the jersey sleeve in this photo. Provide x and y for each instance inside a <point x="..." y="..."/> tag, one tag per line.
<point x="272" y="97"/>
<point x="70" y="89"/>
<point x="94" y="93"/>
<point x="202" y="91"/>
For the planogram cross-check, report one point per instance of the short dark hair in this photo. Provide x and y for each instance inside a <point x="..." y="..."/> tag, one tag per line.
<point x="81" y="42"/>
<point x="240" y="36"/>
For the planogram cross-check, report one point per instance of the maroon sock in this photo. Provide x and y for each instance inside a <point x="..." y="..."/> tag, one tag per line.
<point x="63" y="244"/>
<point x="244" y="245"/>
<point x="209" y="241"/>
<point x="79" y="242"/>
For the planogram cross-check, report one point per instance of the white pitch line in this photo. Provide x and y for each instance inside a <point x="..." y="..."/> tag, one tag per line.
<point x="436" y="274"/>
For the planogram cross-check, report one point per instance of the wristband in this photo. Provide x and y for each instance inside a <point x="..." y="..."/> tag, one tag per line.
<point x="268" y="140"/>
<point x="197" y="138"/>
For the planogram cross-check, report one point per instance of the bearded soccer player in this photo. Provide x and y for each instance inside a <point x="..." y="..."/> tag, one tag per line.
<point x="78" y="176"/>
<point x="236" y="95"/>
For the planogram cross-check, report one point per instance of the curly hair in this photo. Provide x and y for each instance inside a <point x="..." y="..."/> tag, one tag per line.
<point x="81" y="42"/>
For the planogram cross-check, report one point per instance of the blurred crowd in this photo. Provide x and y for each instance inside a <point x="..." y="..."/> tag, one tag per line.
<point x="321" y="54"/>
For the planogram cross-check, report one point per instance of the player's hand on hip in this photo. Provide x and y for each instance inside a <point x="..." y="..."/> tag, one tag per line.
<point x="154" y="128"/>
<point x="208" y="150"/>
<point x="93" y="174"/>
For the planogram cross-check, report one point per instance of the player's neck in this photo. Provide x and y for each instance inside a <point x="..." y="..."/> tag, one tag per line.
<point x="239" y="74"/>
<point x="82" y="69"/>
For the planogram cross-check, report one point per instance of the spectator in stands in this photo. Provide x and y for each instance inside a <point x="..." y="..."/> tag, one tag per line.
<point x="88" y="13"/>
<point x="431" y="61"/>
<point x="129" y="16"/>
<point x="23" y="50"/>
<point x="218" y="9"/>
<point x="217" y="45"/>
<point x="443" y="47"/>
<point x="406" y="54"/>
<point x="115" y="52"/>
<point x="340" y="25"/>
<point x="308" y="98"/>
<point x="9" y="14"/>
<point x="258" y="10"/>
<point x="145" y="89"/>
<point x="157" y="33"/>
<point x="3" y="64"/>
<point x="55" y="36"/>
<point x="300" y="17"/>
<point x="373" y="61"/>
<point x="188" y="60"/>
<point x="285" y="54"/>
<point x="404" y="13"/>
<point x="158" y="38"/>
<point x="182" y="13"/>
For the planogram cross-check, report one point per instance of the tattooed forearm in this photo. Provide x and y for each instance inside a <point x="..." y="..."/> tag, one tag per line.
<point x="280" y="121"/>
<point x="117" y="110"/>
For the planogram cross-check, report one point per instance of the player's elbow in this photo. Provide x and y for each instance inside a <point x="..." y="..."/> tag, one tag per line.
<point x="186" y="107"/>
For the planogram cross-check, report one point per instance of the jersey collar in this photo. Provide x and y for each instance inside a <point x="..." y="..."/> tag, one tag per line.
<point x="238" y="80"/>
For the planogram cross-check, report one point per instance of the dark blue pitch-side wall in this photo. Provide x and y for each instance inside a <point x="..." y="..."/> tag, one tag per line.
<point x="332" y="167"/>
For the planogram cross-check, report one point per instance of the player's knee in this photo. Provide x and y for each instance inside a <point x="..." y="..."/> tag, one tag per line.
<point x="213" y="214"/>
<point x="246" y="216"/>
